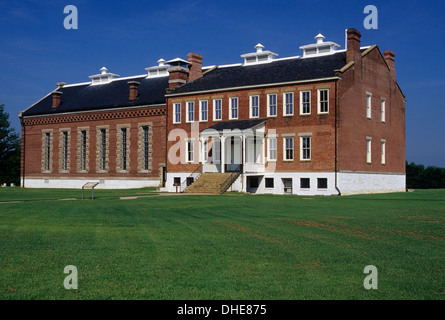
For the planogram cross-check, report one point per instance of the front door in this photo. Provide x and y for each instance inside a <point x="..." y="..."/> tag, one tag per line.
<point x="233" y="154"/>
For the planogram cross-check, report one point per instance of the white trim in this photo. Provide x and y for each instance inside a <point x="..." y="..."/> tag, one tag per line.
<point x="305" y="136"/>
<point x="269" y="149"/>
<point x="187" y="116"/>
<point x="268" y="105"/>
<point x="301" y="102"/>
<point x="368" y="105"/>
<point x="251" y="106"/>
<point x="383" y="109"/>
<point x="200" y="110"/>
<point x="175" y="113"/>
<point x="285" y="114"/>
<point x="214" y="109"/>
<point x="383" y="151"/>
<point x="319" y="101"/>
<point x="285" y="137"/>
<point x="368" y="150"/>
<point x="230" y="108"/>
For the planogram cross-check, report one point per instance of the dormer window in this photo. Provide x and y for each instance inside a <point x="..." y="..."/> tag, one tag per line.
<point x="319" y="48"/>
<point x="259" y="56"/>
<point x="161" y="70"/>
<point x="103" y="77"/>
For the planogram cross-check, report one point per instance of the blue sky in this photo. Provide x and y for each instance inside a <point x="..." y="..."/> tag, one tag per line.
<point x="128" y="36"/>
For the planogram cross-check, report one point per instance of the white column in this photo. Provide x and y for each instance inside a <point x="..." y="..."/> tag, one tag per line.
<point x="223" y="154"/>
<point x="243" y="150"/>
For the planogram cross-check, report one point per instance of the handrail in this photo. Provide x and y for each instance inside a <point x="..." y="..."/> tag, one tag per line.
<point x="192" y="175"/>
<point x="232" y="178"/>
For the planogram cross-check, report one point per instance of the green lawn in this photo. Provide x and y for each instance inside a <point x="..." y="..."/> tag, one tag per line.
<point x="221" y="247"/>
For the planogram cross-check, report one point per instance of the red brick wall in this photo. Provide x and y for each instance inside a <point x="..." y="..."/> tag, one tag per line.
<point x="34" y="126"/>
<point x="354" y="126"/>
<point x="322" y="127"/>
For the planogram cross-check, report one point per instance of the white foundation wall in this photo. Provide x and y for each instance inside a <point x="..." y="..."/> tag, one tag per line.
<point x="104" y="183"/>
<point x="351" y="183"/>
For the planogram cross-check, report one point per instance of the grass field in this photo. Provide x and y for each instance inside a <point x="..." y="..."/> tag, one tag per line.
<point x="221" y="247"/>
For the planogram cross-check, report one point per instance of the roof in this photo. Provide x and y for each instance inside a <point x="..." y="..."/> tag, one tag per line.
<point x="278" y="71"/>
<point x="115" y="94"/>
<point x="236" y="125"/>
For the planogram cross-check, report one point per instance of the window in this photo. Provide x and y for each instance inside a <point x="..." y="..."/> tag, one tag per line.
<point x="103" y="149"/>
<point x="146" y="145"/>
<point x="83" y="150"/>
<point x="177" y="113"/>
<point x="305" y="102"/>
<point x="203" y="110"/>
<point x="322" y="183"/>
<point x="323" y="101"/>
<point x="288" y="149"/>
<point x="272" y="105"/>
<point x="254" y="106"/>
<point x="177" y="181"/>
<point x="305" y="148"/>
<point x="190" y="151"/>
<point x="305" y="183"/>
<point x="288" y="103"/>
<point x="368" y="150"/>
<point x="368" y="105"/>
<point x="383" y="151"/>
<point x="217" y="109"/>
<point x="65" y="149"/>
<point x="383" y="106"/>
<point x="47" y="151"/>
<point x="124" y="148"/>
<point x="190" y="111"/>
<point x="272" y="143"/>
<point x="287" y="183"/>
<point x="270" y="183"/>
<point x="234" y="108"/>
<point x="216" y="150"/>
<point x="189" y="181"/>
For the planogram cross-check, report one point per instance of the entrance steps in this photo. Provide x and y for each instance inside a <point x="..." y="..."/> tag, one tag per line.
<point x="213" y="183"/>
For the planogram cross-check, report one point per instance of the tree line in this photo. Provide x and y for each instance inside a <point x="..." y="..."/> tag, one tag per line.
<point x="420" y="177"/>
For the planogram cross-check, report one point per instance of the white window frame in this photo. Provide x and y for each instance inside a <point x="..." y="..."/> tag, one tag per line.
<point x="231" y="99"/>
<point x="251" y="106"/>
<point x="176" y="113"/>
<point x="302" y="102"/>
<point x="320" y="101"/>
<point x="214" y="109"/>
<point x="285" y="138"/>
<point x="383" y="109"/>
<point x="269" y="105"/>
<point x="270" y="149"/>
<point x="368" y="105"/>
<point x="188" y="104"/>
<point x="383" y="144"/>
<point x="201" y="102"/>
<point x="368" y="150"/>
<point x="188" y="143"/>
<point x="302" y="138"/>
<point x="285" y="104"/>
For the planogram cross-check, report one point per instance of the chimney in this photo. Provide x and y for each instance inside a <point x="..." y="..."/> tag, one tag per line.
<point x="56" y="99"/>
<point x="353" y="52"/>
<point x="134" y="90"/>
<point x="178" y="72"/>
<point x="390" y="61"/>
<point x="196" y="66"/>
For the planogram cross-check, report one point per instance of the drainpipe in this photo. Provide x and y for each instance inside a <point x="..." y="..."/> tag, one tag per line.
<point x="336" y="136"/>
<point x="23" y="148"/>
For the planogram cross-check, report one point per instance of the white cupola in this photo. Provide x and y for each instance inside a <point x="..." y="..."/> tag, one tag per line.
<point x="161" y="70"/>
<point x="103" y="77"/>
<point x="319" y="48"/>
<point x="260" y="56"/>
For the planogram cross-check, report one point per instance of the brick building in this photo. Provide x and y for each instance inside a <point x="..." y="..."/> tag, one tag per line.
<point x="324" y="123"/>
<point x="327" y="122"/>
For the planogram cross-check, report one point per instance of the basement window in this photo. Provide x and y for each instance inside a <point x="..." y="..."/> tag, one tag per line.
<point x="305" y="183"/>
<point x="322" y="183"/>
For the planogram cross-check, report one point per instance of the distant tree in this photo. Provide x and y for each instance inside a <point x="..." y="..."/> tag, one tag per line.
<point x="9" y="151"/>
<point x="419" y="177"/>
